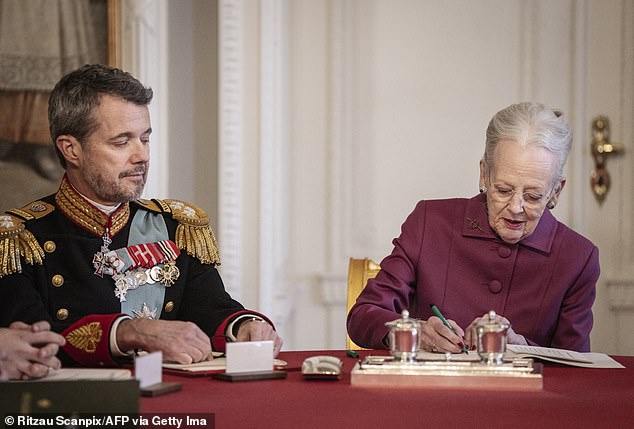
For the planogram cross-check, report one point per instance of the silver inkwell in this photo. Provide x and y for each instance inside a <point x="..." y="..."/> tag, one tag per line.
<point x="492" y="339"/>
<point x="403" y="337"/>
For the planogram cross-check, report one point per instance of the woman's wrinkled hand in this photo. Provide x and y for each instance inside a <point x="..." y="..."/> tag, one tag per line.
<point x="471" y="333"/>
<point x="436" y="337"/>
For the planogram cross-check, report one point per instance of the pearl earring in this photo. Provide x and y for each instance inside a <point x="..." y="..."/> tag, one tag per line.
<point x="483" y="189"/>
<point x="550" y="205"/>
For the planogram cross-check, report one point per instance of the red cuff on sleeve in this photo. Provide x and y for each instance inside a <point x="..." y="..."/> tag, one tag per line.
<point x="219" y="340"/>
<point x="88" y="340"/>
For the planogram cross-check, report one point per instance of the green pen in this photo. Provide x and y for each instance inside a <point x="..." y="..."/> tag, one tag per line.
<point x="438" y="314"/>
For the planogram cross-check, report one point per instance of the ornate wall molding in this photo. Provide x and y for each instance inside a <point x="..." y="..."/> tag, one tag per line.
<point x="230" y="123"/>
<point x="578" y="163"/>
<point x="620" y="284"/>
<point x="620" y="296"/>
<point x="144" y="38"/>
<point x="339" y="121"/>
<point x="620" y="280"/>
<point x="341" y="180"/>
<point x="348" y="231"/>
<point x="627" y="139"/>
<point x="621" y="293"/>
<point x="351" y="226"/>
<point x="274" y="178"/>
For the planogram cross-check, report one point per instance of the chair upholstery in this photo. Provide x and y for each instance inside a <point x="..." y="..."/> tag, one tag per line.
<point x="359" y="272"/>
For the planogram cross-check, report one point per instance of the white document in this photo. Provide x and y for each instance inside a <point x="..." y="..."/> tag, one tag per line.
<point x="565" y="357"/>
<point x="210" y="366"/>
<point x="249" y="356"/>
<point x="215" y="365"/>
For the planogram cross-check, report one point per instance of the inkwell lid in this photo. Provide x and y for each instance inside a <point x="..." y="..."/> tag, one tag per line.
<point x="405" y="323"/>
<point x="490" y="324"/>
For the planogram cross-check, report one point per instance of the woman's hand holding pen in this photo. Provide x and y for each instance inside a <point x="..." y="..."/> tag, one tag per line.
<point x="437" y="337"/>
<point x="471" y="335"/>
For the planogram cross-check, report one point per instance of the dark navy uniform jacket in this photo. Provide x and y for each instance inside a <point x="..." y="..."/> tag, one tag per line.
<point x="55" y="279"/>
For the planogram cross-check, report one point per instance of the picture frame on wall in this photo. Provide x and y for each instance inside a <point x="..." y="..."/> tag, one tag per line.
<point x="40" y="41"/>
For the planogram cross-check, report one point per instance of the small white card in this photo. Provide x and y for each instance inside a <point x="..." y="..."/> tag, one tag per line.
<point x="148" y="369"/>
<point x="249" y="356"/>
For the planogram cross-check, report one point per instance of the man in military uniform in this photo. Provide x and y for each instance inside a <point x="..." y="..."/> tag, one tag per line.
<point x="111" y="272"/>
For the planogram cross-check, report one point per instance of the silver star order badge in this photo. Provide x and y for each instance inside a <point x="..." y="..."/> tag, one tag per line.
<point x="144" y="313"/>
<point x="120" y="288"/>
<point x="127" y="281"/>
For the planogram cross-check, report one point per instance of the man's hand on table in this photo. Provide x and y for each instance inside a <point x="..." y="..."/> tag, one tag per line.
<point x="259" y="330"/>
<point x="181" y="342"/>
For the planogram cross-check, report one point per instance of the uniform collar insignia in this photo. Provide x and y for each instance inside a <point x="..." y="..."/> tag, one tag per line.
<point x="81" y="212"/>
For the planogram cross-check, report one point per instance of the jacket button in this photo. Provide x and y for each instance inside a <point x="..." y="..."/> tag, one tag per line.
<point x="49" y="246"/>
<point x="57" y="280"/>
<point x="62" y="314"/>
<point x="169" y="306"/>
<point x="495" y="286"/>
<point x="504" y="251"/>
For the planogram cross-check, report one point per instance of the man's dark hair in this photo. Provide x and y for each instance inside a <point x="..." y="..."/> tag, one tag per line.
<point x="73" y="100"/>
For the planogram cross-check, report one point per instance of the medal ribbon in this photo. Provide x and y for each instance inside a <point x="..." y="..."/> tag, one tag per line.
<point x="145" y="255"/>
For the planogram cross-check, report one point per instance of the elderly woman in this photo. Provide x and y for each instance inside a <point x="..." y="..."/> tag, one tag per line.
<point x="501" y="250"/>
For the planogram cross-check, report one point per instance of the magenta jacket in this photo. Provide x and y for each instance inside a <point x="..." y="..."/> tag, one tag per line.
<point x="448" y="255"/>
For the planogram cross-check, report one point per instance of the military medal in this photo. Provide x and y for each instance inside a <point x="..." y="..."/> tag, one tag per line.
<point x="99" y="260"/>
<point x="134" y="266"/>
<point x="168" y="274"/>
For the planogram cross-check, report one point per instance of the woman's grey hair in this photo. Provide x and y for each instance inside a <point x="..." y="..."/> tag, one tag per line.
<point x="530" y="124"/>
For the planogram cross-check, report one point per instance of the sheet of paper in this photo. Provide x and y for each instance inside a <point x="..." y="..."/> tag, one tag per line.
<point x="215" y="365"/>
<point x="148" y="369"/>
<point x="601" y="360"/>
<point x="63" y="374"/>
<point x="566" y="357"/>
<point x="249" y="356"/>
<point x="550" y="352"/>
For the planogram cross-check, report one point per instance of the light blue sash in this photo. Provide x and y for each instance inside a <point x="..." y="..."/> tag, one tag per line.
<point x="147" y="227"/>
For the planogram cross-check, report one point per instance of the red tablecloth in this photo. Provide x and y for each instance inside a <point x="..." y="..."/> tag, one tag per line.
<point x="571" y="397"/>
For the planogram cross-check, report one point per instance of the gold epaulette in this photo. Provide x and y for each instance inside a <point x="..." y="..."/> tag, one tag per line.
<point x="35" y="210"/>
<point x="158" y="206"/>
<point x="193" y="233"/>
<point x="16" y="241"/>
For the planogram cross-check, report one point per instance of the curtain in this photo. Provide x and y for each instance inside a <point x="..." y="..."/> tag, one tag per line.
<point x="40" y="41"/>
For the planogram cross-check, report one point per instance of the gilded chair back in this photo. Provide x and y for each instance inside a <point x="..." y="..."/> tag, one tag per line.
<point x="359" y="272"/>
